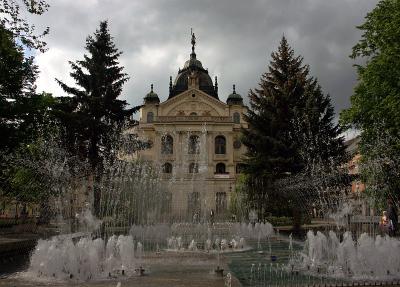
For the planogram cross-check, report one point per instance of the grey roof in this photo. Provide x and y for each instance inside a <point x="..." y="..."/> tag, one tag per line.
<point x="151" y="97"/>
<point x="193" y="65"/>
<point x="234" y="98"/>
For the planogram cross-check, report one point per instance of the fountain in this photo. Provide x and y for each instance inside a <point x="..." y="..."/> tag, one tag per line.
<point x="86" y="259"/>
<point x="135" y="235"/>
<point x="364" y="258"/>
<point x="132" y="233"/>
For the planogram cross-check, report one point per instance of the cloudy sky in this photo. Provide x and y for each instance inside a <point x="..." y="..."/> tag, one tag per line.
<point x="234" y="40"/>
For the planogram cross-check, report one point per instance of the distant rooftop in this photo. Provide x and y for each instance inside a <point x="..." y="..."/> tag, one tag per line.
<point x="352" y="145"/>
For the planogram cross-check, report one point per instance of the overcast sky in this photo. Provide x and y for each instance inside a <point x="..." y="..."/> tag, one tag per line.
<point x="234" y="40"/>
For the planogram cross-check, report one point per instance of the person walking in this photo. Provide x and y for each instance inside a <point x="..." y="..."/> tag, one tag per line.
<point x="384" y="225"/>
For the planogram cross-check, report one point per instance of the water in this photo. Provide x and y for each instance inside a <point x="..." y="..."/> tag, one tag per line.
<point x="82" y="258"/>
<point x="86" y="259"/>
<point x="314" y="262"/>
<point x="134" y="230"/>
<point x="356" y="259"/>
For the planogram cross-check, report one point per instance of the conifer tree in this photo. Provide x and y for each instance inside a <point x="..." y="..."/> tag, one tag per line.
<point x="269" y="139"/>
<point x="318" y="138"/>
<point x="94" y="115"/>
<point x="291" y="128"/>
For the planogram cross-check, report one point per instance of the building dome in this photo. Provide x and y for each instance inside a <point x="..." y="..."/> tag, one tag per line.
<point x="234" y="98"/>
<point x="193" y="63"/>
<point x="193" y="66"/>
<point x="151" y="97"/>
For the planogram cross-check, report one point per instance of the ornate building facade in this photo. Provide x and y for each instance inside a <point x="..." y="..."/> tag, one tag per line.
<point x="195" y="141"/>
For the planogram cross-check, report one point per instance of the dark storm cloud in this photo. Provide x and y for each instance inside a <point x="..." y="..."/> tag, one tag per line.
<point x="235" y="40"/>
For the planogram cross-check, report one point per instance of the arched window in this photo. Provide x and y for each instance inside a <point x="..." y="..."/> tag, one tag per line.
<point x="220" y="168"/>
<point x="194" y="144"/>
<point x="150" y="117"/>
<point x="193" y="167"/>
<point x="236" y="118"/>
<point x="167" y="144"/>
<point x="220" y="145"/>
<point x="240" y="167"/>
<point x="193" y="114"/>
<point x="167" y="168"/>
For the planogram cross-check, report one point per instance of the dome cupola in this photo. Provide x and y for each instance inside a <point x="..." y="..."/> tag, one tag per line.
<point x="234" y="98"/>
<point x="193" y="68"/>
<point x="151" y="97"/>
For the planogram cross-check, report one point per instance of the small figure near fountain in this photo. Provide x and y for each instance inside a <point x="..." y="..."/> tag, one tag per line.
<point x="228" y="280"/>
<point x="389" y="220"/>
<point x="384" y="224"/>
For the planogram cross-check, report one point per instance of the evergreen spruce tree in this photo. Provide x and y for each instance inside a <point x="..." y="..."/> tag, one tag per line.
<point x="269" y="139"/>
<point x="318" y="138"/>
<point x="290" y="130"/>
<point x="94" y="116"/>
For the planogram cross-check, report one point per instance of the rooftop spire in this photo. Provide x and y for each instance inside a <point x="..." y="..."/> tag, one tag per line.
<point x="193" y="41"/>
<point x="234" y="89"/>
<point x="216" y="85"/>
<point x="151" y="87"/>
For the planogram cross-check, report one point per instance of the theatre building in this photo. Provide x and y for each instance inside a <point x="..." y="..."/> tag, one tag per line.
<point x="195" y="141"/>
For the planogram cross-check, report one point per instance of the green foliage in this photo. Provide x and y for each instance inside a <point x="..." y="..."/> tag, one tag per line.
<point x="380" y="167"/>
<point x="271" y="111"/>
<point x="290" y="119"/>
<point x="291" y="132"/>
<point x="11" y="19"/>
<point x="17" y="84"/>
<point x="24" y="115"/>
<point x="238" y="200"/>
<point x="376" y="99"/>
<point x="94" y="116"/>
<point x="36" y="172"/>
